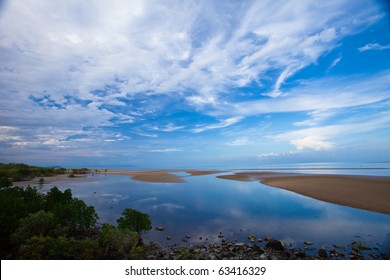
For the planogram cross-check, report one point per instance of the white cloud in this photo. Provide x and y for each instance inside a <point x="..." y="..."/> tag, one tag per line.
<point x="274" y="155"/>
<point x="221" y="124"/>
<point x="267" y="155"/>
<point x="312" y="142"/>
<point x="315" y="118"/>
<point x="373" y="46"/>
<point x="72" y="71"/>
<point x="242" y="141"/>
<point x="168" y="128"/>
<point x="167" y="150"/>
<point x="320" y="138"/>
<point x="140" y="46"/>
<point x="321" y="95"/>
<point x="334" y="63"/>
<point x="147" y="135"/>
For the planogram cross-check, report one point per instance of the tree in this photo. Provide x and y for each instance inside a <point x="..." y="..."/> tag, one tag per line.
<point x="5" y="182"/>
<point x="135" y="221"/>
<point x="59" y="248"/>
<point x="41" y="181"/>
<point x="118" y="243"/>
<point x="39" y="223"/>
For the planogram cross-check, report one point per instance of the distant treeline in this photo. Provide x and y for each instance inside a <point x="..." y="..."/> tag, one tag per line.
<point x="13" y="172"/>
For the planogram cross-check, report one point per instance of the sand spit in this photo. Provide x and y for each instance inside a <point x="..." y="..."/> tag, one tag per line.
<point x="370" y="193"/>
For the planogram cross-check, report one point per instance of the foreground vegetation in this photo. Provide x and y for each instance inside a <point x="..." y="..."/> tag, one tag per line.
<point x="57" y="226"/>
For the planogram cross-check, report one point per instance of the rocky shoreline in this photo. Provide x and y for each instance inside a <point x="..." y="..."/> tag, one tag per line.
<point x="261" y="249"/>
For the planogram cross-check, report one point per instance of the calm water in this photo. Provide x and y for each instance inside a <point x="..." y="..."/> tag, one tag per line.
<point x="204" y="206"/>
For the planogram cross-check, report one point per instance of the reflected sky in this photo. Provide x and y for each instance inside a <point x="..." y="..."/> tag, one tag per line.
<point x="204" y="206"/>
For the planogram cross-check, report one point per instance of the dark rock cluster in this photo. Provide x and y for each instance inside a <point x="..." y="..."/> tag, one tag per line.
<point x="270" y="249"/>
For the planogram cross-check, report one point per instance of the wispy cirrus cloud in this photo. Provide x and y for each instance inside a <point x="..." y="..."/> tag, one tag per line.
<point x="242" y="141"/>
<point x="221" y="124"/>
<point x="166" y="150"/>
<point x="168" y="128"/>
<point x="335" y="62"/>
<point x="108" y="79"/>
<point x="373" y="47"/>
<point x="320" y="95"/>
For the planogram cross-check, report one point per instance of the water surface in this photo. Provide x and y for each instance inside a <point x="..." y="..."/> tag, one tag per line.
<point x="206" y="206"/>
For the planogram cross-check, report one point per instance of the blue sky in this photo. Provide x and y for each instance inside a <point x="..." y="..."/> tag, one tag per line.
<point x="165" y="84"/>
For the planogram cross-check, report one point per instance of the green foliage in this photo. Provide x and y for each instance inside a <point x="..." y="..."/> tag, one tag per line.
<point x="80" y="170"/>
<point x="5" y="182"/>
<point x="135" y="221"/>
<point x="71" y="213"/>
<point x="57" y="226"/>
<point x="118" y="243"/>
<point x="20" y="171"/>
<point x="16" y="203"/>
<point x="60" y="248"/>
<point x="39" y="223"/>
<point x="25" y="213"/>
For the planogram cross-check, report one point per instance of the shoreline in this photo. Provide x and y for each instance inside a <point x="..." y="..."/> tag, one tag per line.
<point x="47" y="180"/>
<point x="370" y="193"/>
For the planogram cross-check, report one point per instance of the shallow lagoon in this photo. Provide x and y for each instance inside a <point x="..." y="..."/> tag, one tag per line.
<point x="204" y="206"/>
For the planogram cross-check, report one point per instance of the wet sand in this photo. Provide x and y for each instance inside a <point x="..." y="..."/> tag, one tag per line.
<point x="370" y="193"/>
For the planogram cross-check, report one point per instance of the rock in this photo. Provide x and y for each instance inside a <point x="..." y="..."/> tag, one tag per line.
<point x="220" y="235"/>
<point x="258" y="250"/>
<point x="252" y="238"/>
<point x="340" y="254"/>
<point x="322" y="253"/>
<point x="188" y="237"/>
<point x="300" y="255"/>
<point x="275" y="245"/>
<point x="159" y="228"/>
<point x="240" y="244"/>
<point x="169" y="237"/>
<point x="308" y="242"/>
<point x="338" y="246"/>
<point x="385" y="256"/>
<point x="228" y="255"/>
<point x="375" y="256"/>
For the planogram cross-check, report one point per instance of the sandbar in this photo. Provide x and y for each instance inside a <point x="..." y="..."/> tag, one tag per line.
<point x="160" y="176"/>
<point x="370" y="193"/>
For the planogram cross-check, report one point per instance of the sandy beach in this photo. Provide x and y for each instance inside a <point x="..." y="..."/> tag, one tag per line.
<point x="364" y="192"/>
